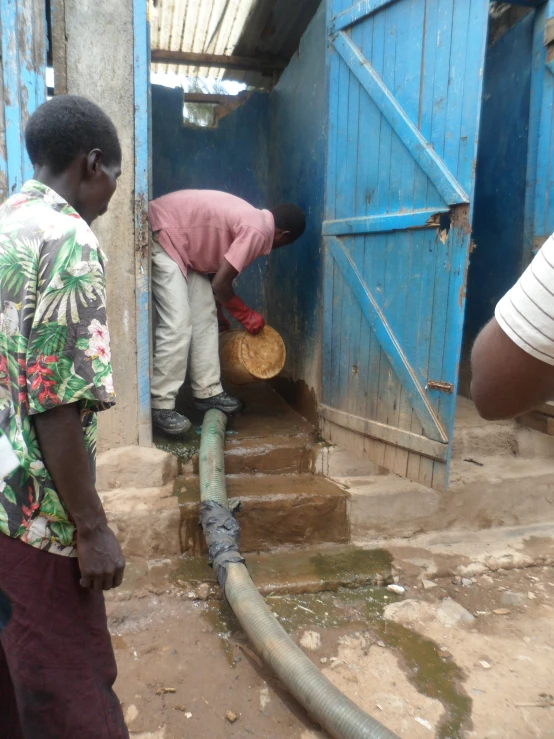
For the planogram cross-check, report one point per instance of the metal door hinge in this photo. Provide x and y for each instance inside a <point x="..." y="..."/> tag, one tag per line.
<point x="442" y="387"/>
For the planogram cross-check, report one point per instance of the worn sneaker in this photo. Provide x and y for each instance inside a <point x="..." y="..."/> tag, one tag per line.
<point x="222" y="402"/>
<point x="170" y="421"/>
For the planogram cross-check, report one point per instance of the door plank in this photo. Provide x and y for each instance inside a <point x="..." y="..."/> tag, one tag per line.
<point x="328" y="349"/>
<point x="23" y="69"/>
<point x="363" y="35"/>
<point x="12" y="109"/>
<point x="387" y="340"/>
<point x="394" y="291"/>
<point x="386" y="433"/>
<point x="428" y="111"/>
<point x="383" y="223"/>
<point x="407" y="91"/>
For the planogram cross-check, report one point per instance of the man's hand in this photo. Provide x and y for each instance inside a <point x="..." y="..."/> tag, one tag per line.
<point x="222" y="285"/>
<point x="101" y="560"/>
<point x="252" y="321"/>
<point x="62" y="444"/>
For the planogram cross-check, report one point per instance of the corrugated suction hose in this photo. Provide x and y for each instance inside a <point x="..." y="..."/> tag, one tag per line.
<point x="336" y="713"/>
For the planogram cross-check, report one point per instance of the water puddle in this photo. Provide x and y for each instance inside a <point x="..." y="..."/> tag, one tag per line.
<point x="184" y="448"/>
<point x="431" y="673"/>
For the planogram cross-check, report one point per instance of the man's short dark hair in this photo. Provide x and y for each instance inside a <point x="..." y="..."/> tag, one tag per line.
<point x="67" y="126"/>
<point x="291" y="218"/>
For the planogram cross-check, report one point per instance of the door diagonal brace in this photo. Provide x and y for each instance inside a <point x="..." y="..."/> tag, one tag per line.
<point x="434" y="167"/>
<point x="357" y="13"/>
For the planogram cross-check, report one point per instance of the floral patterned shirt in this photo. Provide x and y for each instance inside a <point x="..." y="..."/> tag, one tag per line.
<point x="54" y="350"/>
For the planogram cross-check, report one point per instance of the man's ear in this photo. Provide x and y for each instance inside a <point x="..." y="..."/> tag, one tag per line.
<point x="94" y="163"/>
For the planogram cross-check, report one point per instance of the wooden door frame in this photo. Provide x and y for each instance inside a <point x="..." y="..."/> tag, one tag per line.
<point x="143" y="301"/>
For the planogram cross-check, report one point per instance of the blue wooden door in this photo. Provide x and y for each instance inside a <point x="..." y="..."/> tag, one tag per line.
<point x="539" y="205"/>
<point x="22" y="85"/>
<point x="404" y="90"/>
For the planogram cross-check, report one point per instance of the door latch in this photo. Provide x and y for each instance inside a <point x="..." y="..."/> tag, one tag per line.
<point x="442" y="387"/>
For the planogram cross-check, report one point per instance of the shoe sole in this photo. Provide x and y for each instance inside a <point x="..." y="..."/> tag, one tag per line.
<point x="173" y="432"/>
<point x="227" y="411"/>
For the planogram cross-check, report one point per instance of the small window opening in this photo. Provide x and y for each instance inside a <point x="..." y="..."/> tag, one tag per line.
<point x="216" y="92"/>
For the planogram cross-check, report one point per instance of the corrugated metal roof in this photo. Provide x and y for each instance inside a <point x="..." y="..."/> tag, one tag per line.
<point x="274" y="29"/>
<point x="250" y="28"/>
<point x="201" y="26"/>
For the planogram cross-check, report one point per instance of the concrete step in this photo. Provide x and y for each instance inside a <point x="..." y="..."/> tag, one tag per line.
<point x="292" y="571"/>
<point x="134" y="467"/>
<point x="296" y="571"/>
<point x="477" y="439"/>
<point x="495" y="492"/>
<point x="268" y="437"/>
<point x="270" y="455"/>
<point x="275" y="510"/>
<point x="146" y="521"/>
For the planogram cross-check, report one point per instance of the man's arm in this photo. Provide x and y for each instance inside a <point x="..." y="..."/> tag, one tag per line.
<point x="62" y="444"/>
<point x="507" y="381"/>
<point x="222" y="283"/>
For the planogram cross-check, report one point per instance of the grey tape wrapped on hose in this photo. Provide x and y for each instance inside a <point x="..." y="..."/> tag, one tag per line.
<point x="220" y="527"/>
<point x="222" y="534"/>
<point x="334" y="711"/>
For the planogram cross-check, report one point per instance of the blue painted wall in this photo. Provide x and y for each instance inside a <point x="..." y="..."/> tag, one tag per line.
<point x="233" y="157"/>
<point x="297" y="164"/>
<point x="501" y="175"/>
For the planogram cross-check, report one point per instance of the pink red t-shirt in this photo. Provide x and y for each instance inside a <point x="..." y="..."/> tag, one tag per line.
<point x="200" y="228"/>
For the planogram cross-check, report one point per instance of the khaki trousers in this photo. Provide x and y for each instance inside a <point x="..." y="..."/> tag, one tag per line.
<point x="186" y="333"/>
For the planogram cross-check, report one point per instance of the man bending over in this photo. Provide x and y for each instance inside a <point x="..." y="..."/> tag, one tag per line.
<point x="197" y="233"/>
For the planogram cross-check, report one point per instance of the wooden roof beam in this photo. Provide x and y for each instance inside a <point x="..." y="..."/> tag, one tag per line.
<point x="209" y="98"/>
<point x="222" y="61"/>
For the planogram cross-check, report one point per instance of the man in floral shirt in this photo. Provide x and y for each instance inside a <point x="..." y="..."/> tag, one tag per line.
<point x="57" y="552"/>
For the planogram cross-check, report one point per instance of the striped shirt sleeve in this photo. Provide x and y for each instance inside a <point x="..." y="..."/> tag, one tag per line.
<point x="526" y="312"/>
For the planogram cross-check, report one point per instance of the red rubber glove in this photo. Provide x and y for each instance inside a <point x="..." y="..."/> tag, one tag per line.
<point x="222" y="321"/>
<point x="251" y="320"/>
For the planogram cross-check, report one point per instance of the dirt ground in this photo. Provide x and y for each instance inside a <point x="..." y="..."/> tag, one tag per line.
<point x="422" y="666"/>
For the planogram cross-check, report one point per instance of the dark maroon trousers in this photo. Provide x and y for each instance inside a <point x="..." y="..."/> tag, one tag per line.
<point x="57" y="665"/>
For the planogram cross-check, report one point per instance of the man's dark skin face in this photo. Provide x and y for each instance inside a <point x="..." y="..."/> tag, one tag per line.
<point x="87" y="184"/>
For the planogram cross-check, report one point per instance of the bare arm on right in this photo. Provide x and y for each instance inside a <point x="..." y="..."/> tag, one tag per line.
<point x="506" y="381"/>
<point x="513" y="357"/>
<point x="62" y="444"/>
